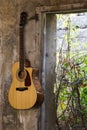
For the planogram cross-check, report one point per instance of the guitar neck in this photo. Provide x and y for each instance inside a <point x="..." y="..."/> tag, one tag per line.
<point x="21" y="49"/>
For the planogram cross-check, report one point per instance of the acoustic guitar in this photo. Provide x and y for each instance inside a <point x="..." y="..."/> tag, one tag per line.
<point x="22" y="93"/>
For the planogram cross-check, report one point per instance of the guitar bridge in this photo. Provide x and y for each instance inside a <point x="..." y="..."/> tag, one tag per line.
<point x="21" y="89"/>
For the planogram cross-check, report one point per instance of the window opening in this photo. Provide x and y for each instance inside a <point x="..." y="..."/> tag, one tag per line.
<point x="71" y="71"/>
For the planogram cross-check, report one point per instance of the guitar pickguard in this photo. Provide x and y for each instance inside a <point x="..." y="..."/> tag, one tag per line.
<point x="27" y="79"/>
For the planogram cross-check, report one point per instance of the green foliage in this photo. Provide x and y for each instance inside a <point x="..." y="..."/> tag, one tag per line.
<point x="71" y="75"/>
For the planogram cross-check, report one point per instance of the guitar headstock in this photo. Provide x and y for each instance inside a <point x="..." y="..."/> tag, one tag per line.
<point x="23" y="19"/>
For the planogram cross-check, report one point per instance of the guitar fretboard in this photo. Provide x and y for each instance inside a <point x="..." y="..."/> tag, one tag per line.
<point x="21" y="49"/>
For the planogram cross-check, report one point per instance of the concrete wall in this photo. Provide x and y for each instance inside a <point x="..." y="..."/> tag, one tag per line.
<point x="11" y="119"/>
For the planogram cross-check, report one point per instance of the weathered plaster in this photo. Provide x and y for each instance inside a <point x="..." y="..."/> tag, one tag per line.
<point x="11" y="119"/>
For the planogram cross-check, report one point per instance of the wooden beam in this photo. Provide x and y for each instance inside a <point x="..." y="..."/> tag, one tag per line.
<point x="62" y="8"/>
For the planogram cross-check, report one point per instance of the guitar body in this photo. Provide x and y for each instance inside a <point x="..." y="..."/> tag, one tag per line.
<point x="22" y="95"/>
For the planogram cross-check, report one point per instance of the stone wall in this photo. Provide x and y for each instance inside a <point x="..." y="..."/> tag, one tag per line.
<point x="79" y="35"/>
<point x="11" y="119"/>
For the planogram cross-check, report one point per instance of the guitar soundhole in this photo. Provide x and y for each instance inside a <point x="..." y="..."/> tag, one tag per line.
<point x="24" y="76"/>
<point x="21" y="75"/>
